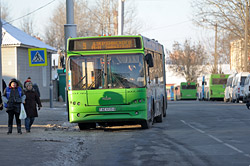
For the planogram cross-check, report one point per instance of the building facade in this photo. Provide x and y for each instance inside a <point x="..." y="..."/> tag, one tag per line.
<point x="237" y="56"/>
<point x="15" y="59"/>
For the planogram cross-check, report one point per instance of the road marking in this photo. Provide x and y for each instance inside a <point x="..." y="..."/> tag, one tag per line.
<point x="193" y="127"/>
<point x="216" y="139"/>
<point x="232" y="147"/>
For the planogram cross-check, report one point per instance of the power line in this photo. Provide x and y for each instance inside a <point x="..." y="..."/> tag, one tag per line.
<point x="30" y="12"/>
<point x="150" y="29"/>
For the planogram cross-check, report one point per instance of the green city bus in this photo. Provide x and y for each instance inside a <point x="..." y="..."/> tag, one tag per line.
<point x="188" y="91"/>
<point x="215" y="85"/>
<point x="114" y="80"/>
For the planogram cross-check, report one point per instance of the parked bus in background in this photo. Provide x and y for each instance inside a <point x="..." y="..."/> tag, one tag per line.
<point x="115" y="80"/>
<point x="188" y="91"/>
<point x="215" y="85"/>
<point x="200" y="87"/>
<point x="238" y="86"/>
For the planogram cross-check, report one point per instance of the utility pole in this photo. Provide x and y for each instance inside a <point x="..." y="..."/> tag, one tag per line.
<point x="215" y="51"/>
<point x="69" y="30"/>
<point x="70" y="27"/>
<point x="246" y="38"/>
<point x="120" y="17"/>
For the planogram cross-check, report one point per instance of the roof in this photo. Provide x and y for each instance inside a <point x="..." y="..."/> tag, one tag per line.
<point x="14" y="36"/>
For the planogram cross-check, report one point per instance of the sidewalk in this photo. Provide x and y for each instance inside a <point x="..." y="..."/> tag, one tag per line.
<point x="56" y="104"/>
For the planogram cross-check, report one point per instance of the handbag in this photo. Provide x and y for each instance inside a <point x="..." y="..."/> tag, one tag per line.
<point x="22" y="112"/>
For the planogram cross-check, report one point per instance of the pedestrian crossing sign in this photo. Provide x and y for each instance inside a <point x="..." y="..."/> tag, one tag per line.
<point x="37" y="57"/>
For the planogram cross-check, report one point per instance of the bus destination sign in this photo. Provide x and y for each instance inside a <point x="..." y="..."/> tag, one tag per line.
<point x="104" y="44"/>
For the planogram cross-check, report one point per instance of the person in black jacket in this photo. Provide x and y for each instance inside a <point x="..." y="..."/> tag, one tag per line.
<point x="13" y="97"/>
<point x="31" y="102"/>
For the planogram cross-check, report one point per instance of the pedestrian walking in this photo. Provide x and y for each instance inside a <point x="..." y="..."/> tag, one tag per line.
<point x="13" y="96"/>
<point x="35" y="86"/>
<point x="31" y="102"/>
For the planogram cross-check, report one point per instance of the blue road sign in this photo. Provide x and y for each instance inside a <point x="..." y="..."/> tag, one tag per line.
<point x="38" y="57"/>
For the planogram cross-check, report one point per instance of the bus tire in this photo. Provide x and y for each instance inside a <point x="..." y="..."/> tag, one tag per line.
<point x="147" y="124"/>
<point x="84" y="126"/>
<point x="165" y="108"/>
<point x="159" y="118"/>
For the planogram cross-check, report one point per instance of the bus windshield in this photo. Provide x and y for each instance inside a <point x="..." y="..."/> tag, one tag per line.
<point x="107" y="71"/>
<point x="219" y="81"/>
<point x="188" y="87"/>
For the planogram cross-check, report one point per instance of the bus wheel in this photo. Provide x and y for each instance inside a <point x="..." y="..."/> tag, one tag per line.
<point x="84" y="126"/>
<point x="165" y="108"/>
<point x="159" y="118"/>
<point x="147" y="124"/>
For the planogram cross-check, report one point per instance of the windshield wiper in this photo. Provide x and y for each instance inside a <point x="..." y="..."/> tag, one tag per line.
<point x="93" y="83"/>
<point x="117" y="80"/>
<point x="80" y="81"/>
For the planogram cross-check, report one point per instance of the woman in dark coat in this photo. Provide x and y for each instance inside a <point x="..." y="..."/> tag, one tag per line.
<point x="31" y="101"/>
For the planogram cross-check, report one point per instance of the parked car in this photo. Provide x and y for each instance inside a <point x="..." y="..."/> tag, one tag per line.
<point x="238" y="85"/>
<point x="229" y="88"/>
<point x="246" y="92"/>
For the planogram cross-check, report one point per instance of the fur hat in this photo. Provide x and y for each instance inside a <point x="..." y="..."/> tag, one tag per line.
<point x="13" y="80"/>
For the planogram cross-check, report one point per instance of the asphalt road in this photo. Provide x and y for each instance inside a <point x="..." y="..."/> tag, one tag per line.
<point x="193" y="133"/>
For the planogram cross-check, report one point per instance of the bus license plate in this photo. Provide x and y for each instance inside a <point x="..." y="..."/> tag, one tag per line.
<point x="107" y="109"/>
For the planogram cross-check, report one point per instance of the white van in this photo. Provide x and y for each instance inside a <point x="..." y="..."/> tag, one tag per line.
<point x="238" y="85"/>
<point x="246" y="92"/>
<point x="229" y="88"/>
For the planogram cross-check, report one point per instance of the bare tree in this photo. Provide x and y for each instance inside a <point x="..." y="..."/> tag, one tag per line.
<point x="54" y="34"/>
<point x="228" y="15"/>
<point x="98" y="20"/>
<point x="27" y="24"/>
<point x="5" y="11"/>
<point x="188" y="60"/>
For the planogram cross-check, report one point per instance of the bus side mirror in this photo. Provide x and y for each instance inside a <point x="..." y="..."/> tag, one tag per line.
<point x="149" y="60"/>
